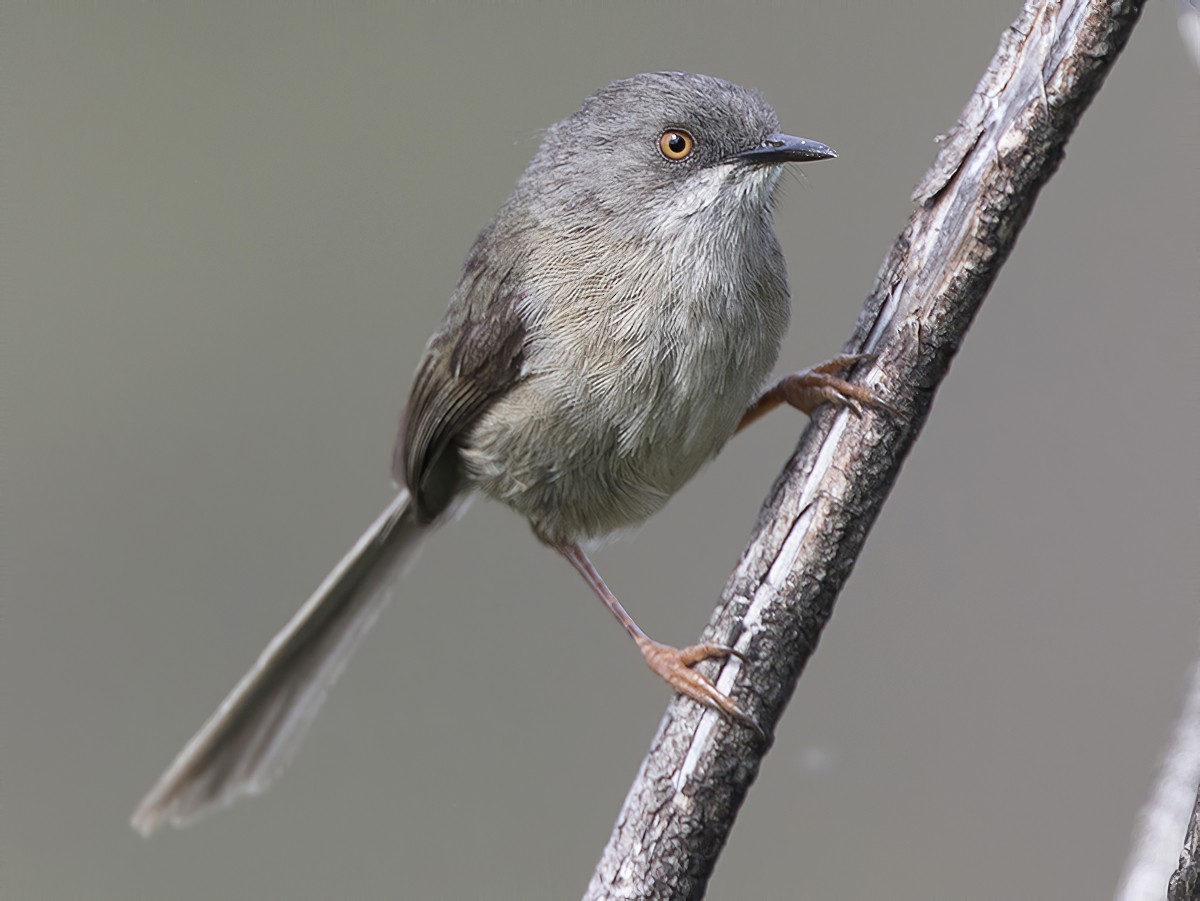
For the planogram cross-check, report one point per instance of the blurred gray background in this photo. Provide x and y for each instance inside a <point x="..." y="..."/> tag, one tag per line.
<point x="230" y="229"/>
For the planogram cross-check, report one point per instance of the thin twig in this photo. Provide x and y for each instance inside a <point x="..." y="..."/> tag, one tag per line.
<point x="970" y="207"/>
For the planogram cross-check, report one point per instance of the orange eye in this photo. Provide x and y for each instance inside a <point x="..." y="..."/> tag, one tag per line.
<point x="676" y="144"/>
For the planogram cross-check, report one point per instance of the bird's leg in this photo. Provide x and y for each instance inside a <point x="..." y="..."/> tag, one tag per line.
<point x="674" y="665"/>
<point x="808" y="389"/>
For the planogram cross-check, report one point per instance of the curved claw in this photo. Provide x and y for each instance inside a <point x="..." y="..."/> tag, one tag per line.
<point x="842" y="361"/>
<point x="746" y="720"/>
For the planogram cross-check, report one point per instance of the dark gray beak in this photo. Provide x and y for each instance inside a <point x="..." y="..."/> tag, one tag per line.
<point x="780" y="148"/>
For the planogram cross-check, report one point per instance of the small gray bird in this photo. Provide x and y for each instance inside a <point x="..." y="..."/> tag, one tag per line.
<point x="613" y="327"/>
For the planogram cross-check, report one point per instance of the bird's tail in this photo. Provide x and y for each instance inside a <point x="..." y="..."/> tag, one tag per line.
<point x="251" y="736"/>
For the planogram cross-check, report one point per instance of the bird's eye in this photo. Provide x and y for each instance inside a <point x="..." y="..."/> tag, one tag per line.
<point x="676" y="144"/>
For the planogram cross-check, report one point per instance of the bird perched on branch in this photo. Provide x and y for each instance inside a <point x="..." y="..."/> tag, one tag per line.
<point x="613" y="327"/>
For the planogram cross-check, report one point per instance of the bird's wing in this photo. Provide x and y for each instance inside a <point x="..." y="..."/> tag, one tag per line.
<point x="474" y="358"/>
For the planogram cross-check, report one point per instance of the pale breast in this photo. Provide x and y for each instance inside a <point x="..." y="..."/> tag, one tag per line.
<point x="622" y="401"/>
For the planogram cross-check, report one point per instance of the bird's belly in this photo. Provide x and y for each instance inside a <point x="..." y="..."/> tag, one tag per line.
<point x="583" y="452"/>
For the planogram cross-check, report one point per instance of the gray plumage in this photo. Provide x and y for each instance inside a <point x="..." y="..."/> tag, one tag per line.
<point x="611" y="326"/>
<point x="640" y="303"/>
<point x="252" y="735"/>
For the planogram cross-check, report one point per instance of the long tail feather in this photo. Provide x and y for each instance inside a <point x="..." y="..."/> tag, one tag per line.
<point x="252" y="735"/>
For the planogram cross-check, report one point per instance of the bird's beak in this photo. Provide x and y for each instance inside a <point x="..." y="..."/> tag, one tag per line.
<point x="780" y="148"/>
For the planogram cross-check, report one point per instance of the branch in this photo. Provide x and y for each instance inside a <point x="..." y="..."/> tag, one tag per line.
<point x="1185" y="881"/>
<point x="971" y="205"/>
<point x="1165" y="815"/>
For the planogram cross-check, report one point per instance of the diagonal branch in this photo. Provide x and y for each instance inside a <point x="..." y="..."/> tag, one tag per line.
<point x="1165" y="816"/>
<point x="1185" y="881"/>
<point x="970" y="207"/>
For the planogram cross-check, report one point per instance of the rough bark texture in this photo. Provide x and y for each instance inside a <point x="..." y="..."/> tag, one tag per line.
<point x="1185" y="881"/>
<point x="970" y="206"/>
<point x="1173" y="799"/>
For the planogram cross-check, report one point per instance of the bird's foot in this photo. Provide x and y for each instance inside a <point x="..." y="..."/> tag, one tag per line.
<point x="675" y="666"/>
<point x="808" y="389"/>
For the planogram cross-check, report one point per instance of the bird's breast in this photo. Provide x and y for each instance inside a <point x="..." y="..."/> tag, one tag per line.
<point x="625" y="394"/>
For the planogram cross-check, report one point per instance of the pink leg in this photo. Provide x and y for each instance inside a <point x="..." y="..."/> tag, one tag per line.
<point x="674" y="665"/>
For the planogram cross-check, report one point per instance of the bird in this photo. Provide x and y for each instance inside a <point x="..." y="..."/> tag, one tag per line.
<point x="613" y="327"/>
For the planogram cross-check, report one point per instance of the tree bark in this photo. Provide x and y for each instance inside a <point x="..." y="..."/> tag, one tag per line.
<point x="971" y="205"/>
<point x="1165" y="816"/>
<point x="1185" y="881"/>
